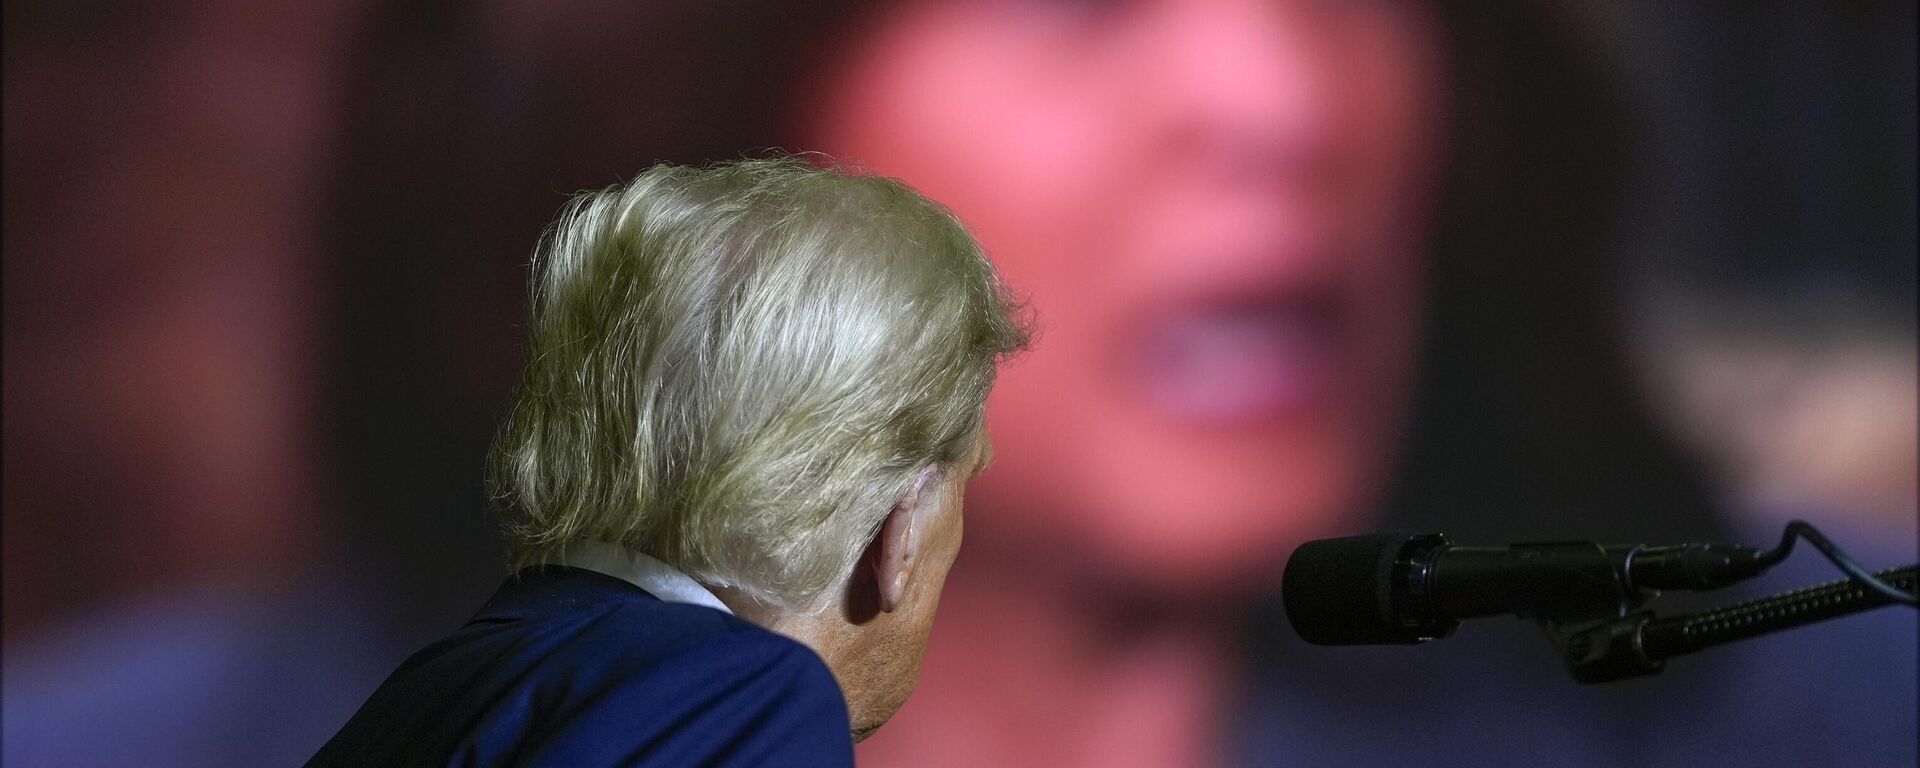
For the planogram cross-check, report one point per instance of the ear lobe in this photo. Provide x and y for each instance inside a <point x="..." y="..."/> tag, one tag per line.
<point x="897" y="547"/>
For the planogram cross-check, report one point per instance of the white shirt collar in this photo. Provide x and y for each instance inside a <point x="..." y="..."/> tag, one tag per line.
<point x="657" y="578"/>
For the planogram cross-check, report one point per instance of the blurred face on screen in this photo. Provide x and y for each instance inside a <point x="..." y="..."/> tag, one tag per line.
<point x="1217" y="209"/>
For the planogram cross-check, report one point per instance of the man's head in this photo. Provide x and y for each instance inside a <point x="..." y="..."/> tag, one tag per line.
<point x="771" y="377"/>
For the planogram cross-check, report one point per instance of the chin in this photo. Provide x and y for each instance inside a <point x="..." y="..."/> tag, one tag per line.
<point x="871" y="718"/>
<point x="871" y="708"/>
<point x="1227" y="537"/>
<point x="1180" y="513"/>
<point x="1225" y="560"/>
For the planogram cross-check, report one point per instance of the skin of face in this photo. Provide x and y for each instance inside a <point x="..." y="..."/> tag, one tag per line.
<point x="875" y="638"/>
<point x="887" y="667"/>
<point x="1217" y="210"/>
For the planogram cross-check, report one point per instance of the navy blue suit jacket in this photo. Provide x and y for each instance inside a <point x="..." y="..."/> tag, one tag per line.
<point x="568" y="667"/>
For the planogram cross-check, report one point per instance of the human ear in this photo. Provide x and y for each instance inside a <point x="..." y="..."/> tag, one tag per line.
<point x="896" y="550"/>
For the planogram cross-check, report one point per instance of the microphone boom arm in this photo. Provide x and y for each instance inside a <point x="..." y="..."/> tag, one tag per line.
<point x="1638" y="644"/>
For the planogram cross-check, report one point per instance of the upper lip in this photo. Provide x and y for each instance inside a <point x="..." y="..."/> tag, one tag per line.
<point x="1315" y="307"/>
<point x="1302" y="284"/>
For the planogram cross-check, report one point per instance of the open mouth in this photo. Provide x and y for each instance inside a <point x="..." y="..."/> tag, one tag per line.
<point x="1242" y="356"/>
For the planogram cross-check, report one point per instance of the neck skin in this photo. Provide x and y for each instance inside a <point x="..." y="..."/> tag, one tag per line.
<point x="1027" y="671"/>
<point x="873" y="635"/>
<point x="872" y="656"/>
<point x="834" y="640"/>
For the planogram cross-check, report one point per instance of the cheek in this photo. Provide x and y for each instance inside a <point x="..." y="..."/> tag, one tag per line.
<point x="959" y="529"/>
<point x="994" y="119"/>
<point x="946" y="548"/>
<point x="1016" y="134"/>
<point x="1397" y="106"/>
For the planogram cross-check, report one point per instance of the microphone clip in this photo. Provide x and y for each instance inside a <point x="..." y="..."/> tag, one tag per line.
<point x="1580" y="593"/>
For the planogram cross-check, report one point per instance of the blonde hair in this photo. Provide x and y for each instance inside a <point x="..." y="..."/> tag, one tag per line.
<point x="739" y="369"/>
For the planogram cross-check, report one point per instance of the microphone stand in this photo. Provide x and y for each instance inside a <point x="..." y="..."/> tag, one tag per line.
<point x="1601" y="649"/>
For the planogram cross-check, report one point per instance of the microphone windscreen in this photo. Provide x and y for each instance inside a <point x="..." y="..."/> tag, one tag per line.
<point x="1340" y="591"/>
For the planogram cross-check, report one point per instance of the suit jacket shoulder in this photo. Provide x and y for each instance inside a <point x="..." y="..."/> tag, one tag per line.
<point x="569" y="667"/>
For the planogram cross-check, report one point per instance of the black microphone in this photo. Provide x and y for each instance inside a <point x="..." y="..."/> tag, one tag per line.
<point x="1403" y="588"/>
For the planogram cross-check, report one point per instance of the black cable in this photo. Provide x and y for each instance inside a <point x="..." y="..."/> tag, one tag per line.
<point x="1805" y="530"/>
